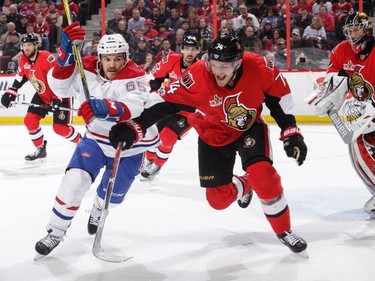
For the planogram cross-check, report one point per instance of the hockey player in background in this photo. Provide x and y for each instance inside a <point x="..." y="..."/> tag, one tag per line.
<point x="176" y="126"/>
<point x="228" y="91"/>
<point x="34" y="66"/>
<point x="119" y="88"/>
<point x="353" y="62"/>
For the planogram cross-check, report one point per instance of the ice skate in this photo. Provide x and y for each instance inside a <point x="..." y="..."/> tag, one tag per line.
<point x="150" y="172"/>
<point x="369" y="207"/>
<point x="39" y="156"/>
<point x="295" y="243"/>
<point x="93" y="223"/>
<point x="245" y="200"/>
<point x="45" y="245"/>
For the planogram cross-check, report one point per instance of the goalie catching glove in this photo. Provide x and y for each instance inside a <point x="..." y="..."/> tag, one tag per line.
<point x="105" y="109"/>
<point x="8" y="97"/>
<point x="294" y="145"/>
<point x="128" y="132"/>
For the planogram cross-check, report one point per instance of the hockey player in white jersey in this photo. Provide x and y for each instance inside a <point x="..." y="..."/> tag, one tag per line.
<point x="118" y="89"/>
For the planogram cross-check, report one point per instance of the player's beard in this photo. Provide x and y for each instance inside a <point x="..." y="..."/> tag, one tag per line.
<point x="31" y="55"/>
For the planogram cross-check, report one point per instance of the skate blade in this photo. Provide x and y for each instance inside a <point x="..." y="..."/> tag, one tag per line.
<point x="147" y="179"/>
<point x="38" y="256"/>
<point x="36" y="161"/>
<point x="303" y="254"/>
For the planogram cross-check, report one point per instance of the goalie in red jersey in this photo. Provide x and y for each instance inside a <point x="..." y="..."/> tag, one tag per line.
<point x="34" y="66"/>
<point x="353" y="61"/>
<point x="228" y="90"/>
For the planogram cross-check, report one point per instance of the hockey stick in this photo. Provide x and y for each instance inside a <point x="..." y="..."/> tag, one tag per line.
<point x="45" y="106"/>
<point x="97" y="249"/>
<point x="77" y="55"/>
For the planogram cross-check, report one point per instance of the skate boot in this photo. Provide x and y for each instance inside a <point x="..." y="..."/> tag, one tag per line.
<point x="370" y="207"/>
<point x="45" y="245"/>
<point x="93" y="223"/>
<point x="295" y="243"/>
<point x="39" y="156"/>
<point x="240" y="183"/>
<point x="150" y="172"/>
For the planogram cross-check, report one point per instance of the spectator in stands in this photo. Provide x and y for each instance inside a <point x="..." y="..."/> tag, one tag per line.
<point x="28" y="6"/>
<point x="205" y="10"/>
<point x="13" y="15"/>
<point x="249" y="23"/>
<point x="157" y="18"/>
<point x="229" y="25"/>
<point x="3" y="24"/>
<point x="143" y="10"/>
<point x="281" y="54"/>
<point x="127" y="34"/>
<point x="165" y="50"/>
<point x="260" y="10"/>
<point x="164" y="10"/>
<point x="229" y="14"/>
<point x="42" y="28"/>
<point x="12" y="47"/>
<point x="240" y="21"/>
<point x="21" y="26"/>
<point x="74" y="11"/>
<point x="127" y="13"/>
<point x="328" y="21"/>
<point x="176" y="46"/>
<point x="54" y="19"/>
<point x="319" y="3"/>
<point x="149" y="63"/>
<point x="271" y="44"/>
<point x="205" y="35"/>
<point x="270" y="18"/>
<point x="136" y="22"/>
<point x="11" y="27"/>
<point x="5" y="7"/>
<point x="155" y="46"/>
<point x="314" y="35"/>
<point x="174" y="22"/>
<point x="43" y="8"/>
<point x="163" y="33"/>
<point x="277" y="7"/>
<point x="148" y="31"/>
<point x="249" y="39"/>
<point x="302" y="4"/>
<point x="183" y="8"/>
<point x="303" y="20"/>
<point x="296" y="39"/>
<point x="88" y="46"/>
<point x="342" y="9"/>
<point x="113" y="23"/>
<point x="138" y="55"/>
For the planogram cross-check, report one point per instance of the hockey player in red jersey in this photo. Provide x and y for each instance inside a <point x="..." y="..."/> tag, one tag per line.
<point x="354" y="59"/>
<point x="228" y="90"/>
<point x="118" y="89"/>
<point x="34" y="66"/>
<point x="176" y="126"/>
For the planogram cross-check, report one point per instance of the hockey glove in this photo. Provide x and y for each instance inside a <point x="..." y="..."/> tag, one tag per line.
<point x="105" y="109"/>
<point x="73" y="35"/>
<point x="128" y="132"/>
<point x="55" y="104"/>
<point x="294" y="145"/>
<point x="8" y="97"/>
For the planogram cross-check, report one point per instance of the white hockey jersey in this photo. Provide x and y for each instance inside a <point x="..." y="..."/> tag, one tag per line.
<point x="129" y="87"/>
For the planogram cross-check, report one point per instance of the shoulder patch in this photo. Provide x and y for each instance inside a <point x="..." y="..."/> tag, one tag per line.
<point x="187" y="80"/>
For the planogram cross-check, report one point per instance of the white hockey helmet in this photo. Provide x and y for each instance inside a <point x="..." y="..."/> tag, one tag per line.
<point x="113" y="44"/>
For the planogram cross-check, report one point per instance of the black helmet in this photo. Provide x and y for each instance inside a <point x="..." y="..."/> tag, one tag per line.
<point x="226" y="48"/>
<point x="30" y="37"/>
<point x="190" y="41"/>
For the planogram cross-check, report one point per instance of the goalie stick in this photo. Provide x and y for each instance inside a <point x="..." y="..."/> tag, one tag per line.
<point x="45" y="106"/>
<point x="97" y="249"/>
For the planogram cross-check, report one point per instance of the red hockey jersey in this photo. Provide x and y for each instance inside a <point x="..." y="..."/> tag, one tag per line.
<point x="36" y="73"/>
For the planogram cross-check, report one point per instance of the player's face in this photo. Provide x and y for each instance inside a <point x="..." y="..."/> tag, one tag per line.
<point x="112" y="65"/>
<point x="29" y="49"/>
<point x="189" y="54"/>
<point x="355" y="33"/>
<point x="222" y="71"/>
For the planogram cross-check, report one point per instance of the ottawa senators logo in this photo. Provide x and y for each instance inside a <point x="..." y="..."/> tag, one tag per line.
<point x="37" y="84"/>
<point x="237" y="115"/>
<point x="360" y="88"/>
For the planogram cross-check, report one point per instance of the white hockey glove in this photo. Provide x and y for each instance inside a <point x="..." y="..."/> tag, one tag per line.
<point x="329" y="95"/>
<point x="358" y="116"/>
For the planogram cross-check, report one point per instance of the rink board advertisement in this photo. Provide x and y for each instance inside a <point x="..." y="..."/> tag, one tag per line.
<point x="301" y="84"/>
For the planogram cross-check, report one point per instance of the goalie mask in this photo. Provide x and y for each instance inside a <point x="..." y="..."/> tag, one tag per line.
<point x="358" y="31"/>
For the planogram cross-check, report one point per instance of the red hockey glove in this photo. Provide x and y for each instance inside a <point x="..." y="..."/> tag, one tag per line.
<point x="105" y="109"/>
<point x="128" y="132"/>
<point x="294" y="145"/>
<point x="8" y="97"/>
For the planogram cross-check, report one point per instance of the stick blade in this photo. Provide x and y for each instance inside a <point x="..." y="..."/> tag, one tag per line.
<point x="99" y="253"/>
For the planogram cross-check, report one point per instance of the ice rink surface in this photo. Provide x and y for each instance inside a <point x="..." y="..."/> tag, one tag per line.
<point x="171" y="231"/>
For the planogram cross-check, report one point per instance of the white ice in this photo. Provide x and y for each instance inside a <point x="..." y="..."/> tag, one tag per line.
<point x="173" y="234"/>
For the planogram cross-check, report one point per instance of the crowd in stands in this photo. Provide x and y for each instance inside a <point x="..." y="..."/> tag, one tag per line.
<point x="155" y="28"/>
